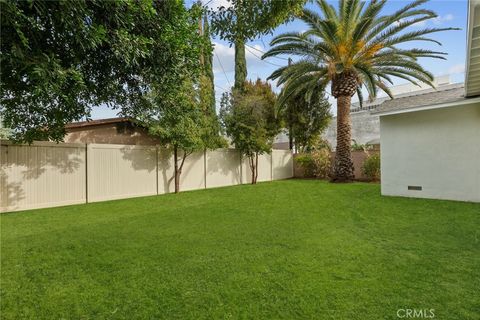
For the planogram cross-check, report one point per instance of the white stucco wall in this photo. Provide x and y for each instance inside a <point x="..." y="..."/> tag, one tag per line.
<point x="365" y="128"/>
<point x="436" y="149"/>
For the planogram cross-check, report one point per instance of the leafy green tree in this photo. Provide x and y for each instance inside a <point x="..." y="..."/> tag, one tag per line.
<point x="249" y="119"/>
<point x="183" y="116"/>
<point x="306" y="115"/>
<point x="179" y="125"/>
<point x="5" y="133"/>
<point x="60" y="58"/>
<point x="245" y="20"/>
<point x="351" y="48"/>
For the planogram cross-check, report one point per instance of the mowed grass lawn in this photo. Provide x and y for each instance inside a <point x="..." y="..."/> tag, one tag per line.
<point x="294" y="249"/>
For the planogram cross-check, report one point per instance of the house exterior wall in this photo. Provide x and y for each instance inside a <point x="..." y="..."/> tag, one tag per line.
<point x="365" y="128"/>
<point x="109" y="133"/>
<point x="437" y="150"/>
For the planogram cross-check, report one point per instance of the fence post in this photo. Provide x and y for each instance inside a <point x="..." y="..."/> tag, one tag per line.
<point x="271" y="166"/>
<point x="241" y="166"/>
<point x="205" y="168"/>
<point x="293" y="163"/>
<point x="86" y="172"/>
<point x="157" y="150"/>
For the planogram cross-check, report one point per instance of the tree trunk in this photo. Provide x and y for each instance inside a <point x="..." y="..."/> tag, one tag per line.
<point x="256" y="167"/>
<point x="177" y="171"/>
<point x="240" y="64"/>
<point x="343" y="166"/>
<point x="252" y="168"/>
<point x="290" y="137"/>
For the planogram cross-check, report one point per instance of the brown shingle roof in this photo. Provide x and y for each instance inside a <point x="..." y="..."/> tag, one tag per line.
<point x="95" y="122"/>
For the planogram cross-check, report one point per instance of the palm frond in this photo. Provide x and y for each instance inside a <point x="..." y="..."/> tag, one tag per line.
<point x="355" y="39"/>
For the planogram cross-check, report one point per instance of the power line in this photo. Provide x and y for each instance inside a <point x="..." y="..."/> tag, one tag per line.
<point x="273" y="64"/>
<point x="265" y="52"/>
<point x="221" y="66"/>
<point x="221" y="88"/>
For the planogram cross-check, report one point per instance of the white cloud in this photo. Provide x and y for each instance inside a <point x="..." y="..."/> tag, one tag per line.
<point x="441" y="19"/>
<point x="255" y="66"/>
<point x="437" y="21"/>
<point x="226" y="55"/>
<point x="215" y="4"/>
<point x="455" y="69"/>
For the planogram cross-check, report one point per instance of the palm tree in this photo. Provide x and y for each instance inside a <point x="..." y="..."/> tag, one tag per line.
<point x="351" y="48"/>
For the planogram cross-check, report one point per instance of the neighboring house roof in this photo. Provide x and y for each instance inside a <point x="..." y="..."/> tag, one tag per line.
<point x="447" y="95"/>
<point x="98" y="122"/>
<point x="403" y="90"/>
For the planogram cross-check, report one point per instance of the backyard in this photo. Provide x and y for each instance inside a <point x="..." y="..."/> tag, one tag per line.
<point x="292" y="249"/>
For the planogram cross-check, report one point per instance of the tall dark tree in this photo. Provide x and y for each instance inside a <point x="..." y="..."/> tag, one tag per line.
<point x="211" y="133"/>
<point x="352" y="47"/>
<point x="207" y="61"/>
<point x="245" y="20"/>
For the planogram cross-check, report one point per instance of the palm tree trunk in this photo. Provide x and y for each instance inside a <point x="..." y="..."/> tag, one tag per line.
<point x="343" y="166"/>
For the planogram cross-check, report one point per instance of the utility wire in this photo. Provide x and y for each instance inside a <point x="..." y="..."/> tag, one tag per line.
<point x="221" y="88"/>
<point x="273" y="64"/>
<point x="221" y="66"/>
<point x="264" y="52"/>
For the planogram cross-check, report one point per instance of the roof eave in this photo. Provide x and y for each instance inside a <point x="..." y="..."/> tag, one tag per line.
<point x="428" y="107"/>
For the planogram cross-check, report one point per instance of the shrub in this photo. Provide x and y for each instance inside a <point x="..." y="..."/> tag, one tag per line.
<point x="361" y="147"/>
<point x="321" y="163"/>
<point x="323" y="144"/>
<point x="371" y="167"/>
<point x="357" y="146"/>
<point x="304" y="161"/>
<point x="316" y="164"/>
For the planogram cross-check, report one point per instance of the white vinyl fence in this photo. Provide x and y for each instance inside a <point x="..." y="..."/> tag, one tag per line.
<point x="47" y="174"/>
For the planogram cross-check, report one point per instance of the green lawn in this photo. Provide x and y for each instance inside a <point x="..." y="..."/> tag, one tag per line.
<point x="294" y="249"/>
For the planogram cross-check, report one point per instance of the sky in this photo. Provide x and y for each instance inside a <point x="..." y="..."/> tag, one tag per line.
<point x="451" y="13"/>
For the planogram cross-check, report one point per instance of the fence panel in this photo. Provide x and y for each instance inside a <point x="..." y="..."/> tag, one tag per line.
<point x="264" y="169"/>
<point x="47" y="174"/>
<point x="166" y="171"/>
<point x="282" y="164"/>
<point x="193" y="172"/>
<point x="223" y="168"/>
<point x="120" y="171"/>
<point x="41" y="175"/>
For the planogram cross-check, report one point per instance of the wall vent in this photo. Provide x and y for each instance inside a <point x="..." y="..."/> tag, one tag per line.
<point x="416" y="188"/>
